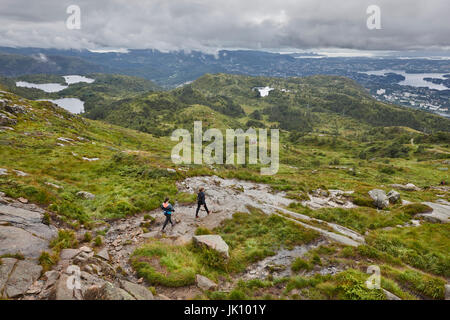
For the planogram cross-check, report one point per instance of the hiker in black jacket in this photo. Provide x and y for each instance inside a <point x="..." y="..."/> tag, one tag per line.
<point x="201" y="201"/>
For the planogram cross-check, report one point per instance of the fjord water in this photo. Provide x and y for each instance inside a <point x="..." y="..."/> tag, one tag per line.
<point x="55" y="87"/>
<point x="413" y="79"/>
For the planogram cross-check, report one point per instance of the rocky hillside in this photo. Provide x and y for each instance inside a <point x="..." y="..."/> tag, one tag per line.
<point x="80" y="217"/>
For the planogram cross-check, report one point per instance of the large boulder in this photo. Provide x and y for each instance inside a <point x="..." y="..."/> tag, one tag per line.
<point x="393" y="196"/>
<point x="380" y="200"/>
<point x="214" y="242"/>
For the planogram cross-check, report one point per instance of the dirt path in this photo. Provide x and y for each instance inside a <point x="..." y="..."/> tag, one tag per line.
<point x="224" y="197"/>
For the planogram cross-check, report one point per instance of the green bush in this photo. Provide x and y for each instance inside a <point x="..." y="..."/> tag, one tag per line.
<point x="162" y="264"/>
<point x="65" y="239"/>
<point x="300" y="264"/>
<point x="202" y="231"/>
<point x="46" y="261"/>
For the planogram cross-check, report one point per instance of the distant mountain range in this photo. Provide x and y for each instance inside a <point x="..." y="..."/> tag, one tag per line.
<point x="170" y="69"/>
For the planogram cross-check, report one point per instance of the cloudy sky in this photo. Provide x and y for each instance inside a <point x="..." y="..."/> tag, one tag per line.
<point x="209" y="25"/>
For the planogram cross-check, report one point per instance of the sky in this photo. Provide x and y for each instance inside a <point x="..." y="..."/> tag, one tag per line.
<point x="211" y="25"/>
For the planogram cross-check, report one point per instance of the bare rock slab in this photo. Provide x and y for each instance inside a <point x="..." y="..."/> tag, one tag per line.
<point x="440" y="213"/>
<point x="108" y="292"/>
<point x="5" y="270"/>
<point x="23" y="276"/>
<point x="23" y="231"/>
<point x="63" y="290"/>
<point x="137" y="291"/>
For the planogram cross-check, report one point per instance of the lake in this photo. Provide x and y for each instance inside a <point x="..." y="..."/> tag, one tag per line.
<point x="73" y="105"/>
<point x="414" y="79"/>
<point x="47" y="87"/>
<point x="55" y="87"/>
<point x="76" y="79"/>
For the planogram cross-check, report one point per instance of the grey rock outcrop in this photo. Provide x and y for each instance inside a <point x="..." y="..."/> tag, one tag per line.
<point x="104" y="254"/>
<point x="17" y="277"/>
<point x="25" y="231"/>
<point x="406" y="187"/>
<point x="440" y="213"/>
<point x="137" y="291"/>
<point x="16" y="109"/>
<point x="380" y="200"/>
<point x="393" y="196"/>
<point x="7" y="121"/>
<point x="204" y="283"/>
<point x="214" y="242"/>
<point x="390" y="295"/>
<point x="85" y="195"/>
<point x="107" y="291"/>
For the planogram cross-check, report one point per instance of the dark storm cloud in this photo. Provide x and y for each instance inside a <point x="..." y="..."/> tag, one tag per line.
<point x="210" y="24"/>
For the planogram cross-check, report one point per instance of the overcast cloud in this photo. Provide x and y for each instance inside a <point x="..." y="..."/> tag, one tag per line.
<point x="209" y="25"/>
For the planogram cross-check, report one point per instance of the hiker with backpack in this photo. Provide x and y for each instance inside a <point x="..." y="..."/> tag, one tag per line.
<point x="201" y="201"/>
<point x="167" y="210"/>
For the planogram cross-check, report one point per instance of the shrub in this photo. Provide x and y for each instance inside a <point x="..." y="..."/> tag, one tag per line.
<point x="46" y="219"/>
<point x="363" y="202"/>
<point x="98" y="241"/>
<point x="87" y="237"/>
<point x="202" y="231"/>
<point x="300" y="264"/>
<point x="162" y="264"/>
<point x="65" y="239"/>
<point x="46" y="261"/>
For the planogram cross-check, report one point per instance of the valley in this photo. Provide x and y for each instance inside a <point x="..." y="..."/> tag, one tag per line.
<point x="359" y="184"/>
